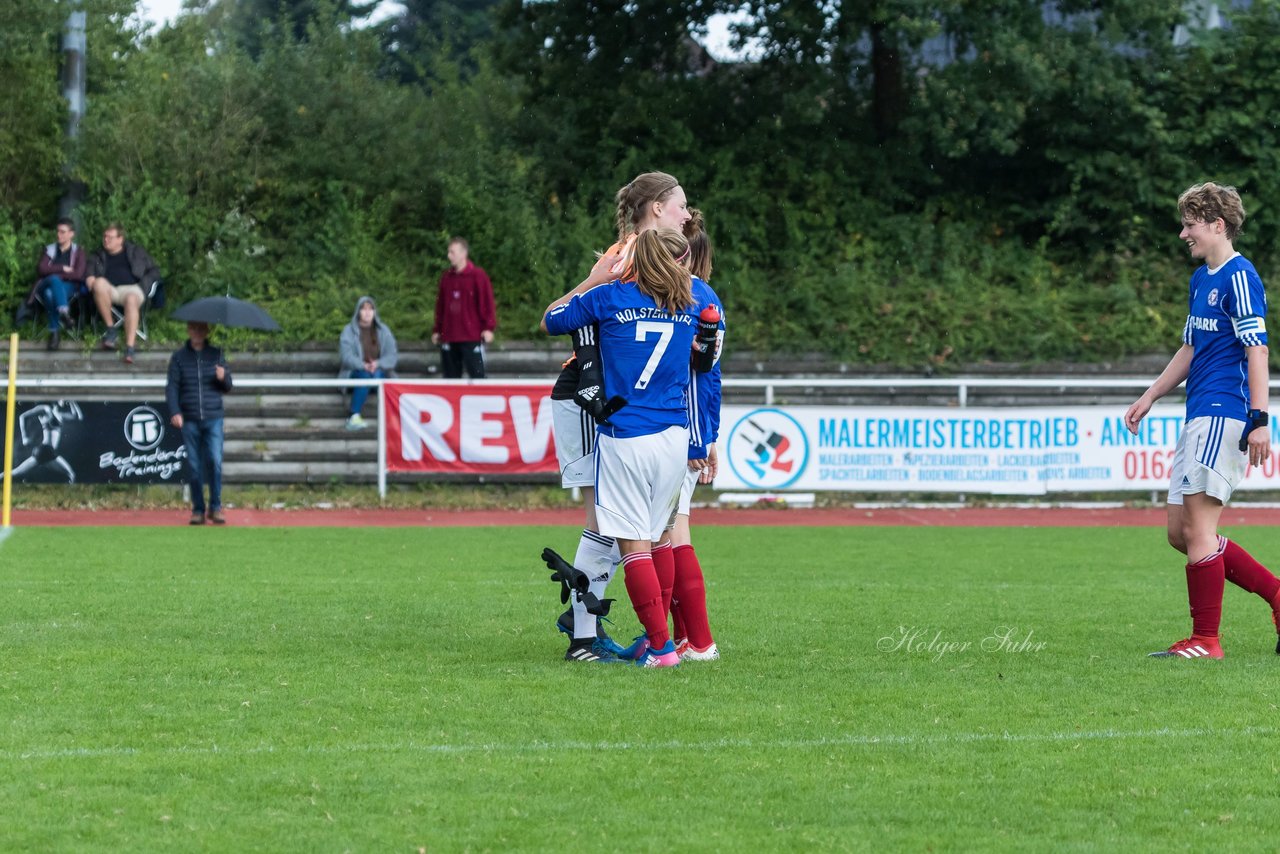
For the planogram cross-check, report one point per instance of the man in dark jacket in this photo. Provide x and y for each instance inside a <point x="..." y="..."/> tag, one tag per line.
<point x="61" y="271"/>
<point x="121" y="273"/>
<point x="198" y="377"/>
<point x="465" y="317"/>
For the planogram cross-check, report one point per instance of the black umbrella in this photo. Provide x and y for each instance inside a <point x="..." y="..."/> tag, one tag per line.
<point x="226" y="311"/>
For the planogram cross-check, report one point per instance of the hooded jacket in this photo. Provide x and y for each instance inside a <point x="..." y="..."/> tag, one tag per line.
<point x="350" y="351"/>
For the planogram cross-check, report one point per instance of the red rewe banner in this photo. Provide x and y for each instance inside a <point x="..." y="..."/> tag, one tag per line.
<point x="472" y="429"/>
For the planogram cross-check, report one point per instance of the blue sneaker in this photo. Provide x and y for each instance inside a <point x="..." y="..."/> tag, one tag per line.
<point x="665" y="657"/>
<point x="608" y="645"/>
<point x="637" y="649"/>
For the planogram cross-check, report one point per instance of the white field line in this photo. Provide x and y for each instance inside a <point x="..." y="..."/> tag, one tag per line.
<point x="655" y="746"/>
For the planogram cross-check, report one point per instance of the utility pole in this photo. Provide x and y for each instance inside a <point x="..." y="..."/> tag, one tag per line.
<point x="73" y="64"/>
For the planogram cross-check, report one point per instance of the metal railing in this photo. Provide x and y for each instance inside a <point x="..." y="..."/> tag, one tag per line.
<point x="768" y="388"/>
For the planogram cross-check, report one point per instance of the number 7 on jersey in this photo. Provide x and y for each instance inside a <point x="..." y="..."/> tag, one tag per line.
<point x="664" y="332"/>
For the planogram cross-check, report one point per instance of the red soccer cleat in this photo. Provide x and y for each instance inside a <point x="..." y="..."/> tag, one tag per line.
<point x="1192" y="647"/>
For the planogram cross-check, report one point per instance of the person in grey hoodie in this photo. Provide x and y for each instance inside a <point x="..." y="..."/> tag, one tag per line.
<point x="368" y="351"/>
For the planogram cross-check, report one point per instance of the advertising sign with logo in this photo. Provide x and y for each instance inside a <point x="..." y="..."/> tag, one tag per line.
<point x="68" y="441"/>
<point x="978" y="451"/>
<point x="469" y="429"/>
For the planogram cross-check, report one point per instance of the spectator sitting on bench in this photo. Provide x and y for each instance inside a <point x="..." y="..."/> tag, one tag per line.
<point x="61" y="277"/>
<point x="368" y="351"/>
<point x="121" y="273"/>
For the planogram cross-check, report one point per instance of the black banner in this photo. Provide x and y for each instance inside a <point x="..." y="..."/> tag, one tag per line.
<point x="68" y="441"/>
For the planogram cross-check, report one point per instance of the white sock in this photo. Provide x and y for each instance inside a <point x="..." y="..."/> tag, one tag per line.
<point x="598" y="557"/>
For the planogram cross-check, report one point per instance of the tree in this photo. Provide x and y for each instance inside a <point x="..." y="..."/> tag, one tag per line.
<point x="424" y="28"/>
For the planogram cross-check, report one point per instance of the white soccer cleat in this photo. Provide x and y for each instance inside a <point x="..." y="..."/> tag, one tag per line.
<point x="689" y="652"/>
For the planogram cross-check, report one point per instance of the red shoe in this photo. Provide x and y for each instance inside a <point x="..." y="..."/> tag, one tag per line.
<point x="1192" y="647"/>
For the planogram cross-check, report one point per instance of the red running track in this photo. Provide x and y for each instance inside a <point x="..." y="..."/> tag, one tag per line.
<point x="961" y="517"/>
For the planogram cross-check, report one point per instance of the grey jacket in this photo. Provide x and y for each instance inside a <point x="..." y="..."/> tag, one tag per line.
<point x="349" y="350"/>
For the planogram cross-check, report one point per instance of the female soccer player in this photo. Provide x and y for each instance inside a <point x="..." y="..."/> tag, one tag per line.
<point x="689" y="621"/>
<point x="1223" y="358"/>
<point x="651" y="200"/>
<point x="647" y="329"/>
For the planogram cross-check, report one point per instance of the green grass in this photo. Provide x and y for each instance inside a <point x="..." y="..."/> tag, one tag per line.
<point x="402" y="689"/>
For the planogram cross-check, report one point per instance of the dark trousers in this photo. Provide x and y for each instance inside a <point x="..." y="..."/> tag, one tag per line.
<point x="456" y="355"/>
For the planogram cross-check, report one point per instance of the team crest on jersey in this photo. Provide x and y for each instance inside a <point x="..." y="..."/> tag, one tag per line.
<point x="1213" y="298"/>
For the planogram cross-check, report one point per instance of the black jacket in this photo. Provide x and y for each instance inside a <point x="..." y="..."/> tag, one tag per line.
<point x="193" y="389"/>
<point x="144" y="269"/>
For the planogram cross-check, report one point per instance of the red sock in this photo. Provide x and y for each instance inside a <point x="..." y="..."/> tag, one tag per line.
<point x="1243" y="571"/>
<point x="646" y="597"/>
<point x="665" y="565"/>
<point x="1205" y="580"/>
<point x="691" y="590"/>
<point x="678" y="630"/>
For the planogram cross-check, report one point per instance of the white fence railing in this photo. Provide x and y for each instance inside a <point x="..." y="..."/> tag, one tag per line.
<point x="768" y="387"/>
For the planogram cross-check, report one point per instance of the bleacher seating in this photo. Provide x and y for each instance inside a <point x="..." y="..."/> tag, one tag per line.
<point x="298" y="435"/>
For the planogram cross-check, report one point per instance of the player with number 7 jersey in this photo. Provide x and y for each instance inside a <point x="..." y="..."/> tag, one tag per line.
<point x="647" y="330"/>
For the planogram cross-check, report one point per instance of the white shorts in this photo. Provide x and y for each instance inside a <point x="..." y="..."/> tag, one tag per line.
<point x="686" y="490"/>
<point x="575" y="434"/>
<point x="1208" y="459"/>
<point x="638" y="483"/>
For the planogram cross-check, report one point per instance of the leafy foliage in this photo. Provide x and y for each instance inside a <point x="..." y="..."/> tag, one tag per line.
<point x="928" y="183"/>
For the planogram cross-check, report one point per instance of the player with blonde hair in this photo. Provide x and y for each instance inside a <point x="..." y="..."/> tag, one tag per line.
<point x="647" y="330"/>
<point x="1223" y="359"/>
<point x="579" y="401"/>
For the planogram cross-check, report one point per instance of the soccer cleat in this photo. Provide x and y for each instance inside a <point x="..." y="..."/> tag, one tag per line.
<point x="665" y="657"/>
<point x="638" y="648"/>
<point x="588" y="652"/>
<point x="564" y="622"/>
<point x="1192" y="647"/>
<point x="603" y="643"/>
<point x="691" y="653"/>
<point x="607" y="644"/>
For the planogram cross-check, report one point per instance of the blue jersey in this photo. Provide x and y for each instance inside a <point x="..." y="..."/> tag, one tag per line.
<point x="645" y="352"/>
<point x="1227" y="311"/>
<point x="704" y="389"/>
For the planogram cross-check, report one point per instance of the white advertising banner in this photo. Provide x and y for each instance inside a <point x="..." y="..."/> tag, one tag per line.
<point x="1010" y="451"/>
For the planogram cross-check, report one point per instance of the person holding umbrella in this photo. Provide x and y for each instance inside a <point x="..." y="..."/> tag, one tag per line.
<point x="198" y="378"/>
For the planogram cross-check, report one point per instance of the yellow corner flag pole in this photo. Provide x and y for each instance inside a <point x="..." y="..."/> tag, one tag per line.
<point x="10" y="402"/>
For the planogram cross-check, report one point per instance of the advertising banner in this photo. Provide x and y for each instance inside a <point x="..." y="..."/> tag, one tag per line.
<point x="68" y="441"/>
<point x="1009" y="451"/>
<point x="469" y="429"/>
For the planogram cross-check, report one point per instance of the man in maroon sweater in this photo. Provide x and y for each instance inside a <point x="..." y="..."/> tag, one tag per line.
<point x="465" y="317"/>
<point x="61" y="278"/>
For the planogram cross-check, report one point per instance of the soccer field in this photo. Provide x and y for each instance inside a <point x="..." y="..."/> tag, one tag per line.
<point x="371" y="689"/>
